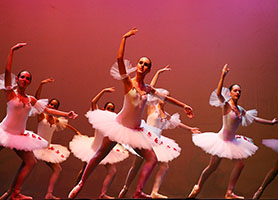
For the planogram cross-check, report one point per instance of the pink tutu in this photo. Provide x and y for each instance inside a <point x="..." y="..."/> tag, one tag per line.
<point x="105" y="121"/>
<point x="271" y="143"/>
<point x="27" y="141"/>
<point x="81" y="147"/>
<point x="238" y="148"/>
<point x="55" y="153"/>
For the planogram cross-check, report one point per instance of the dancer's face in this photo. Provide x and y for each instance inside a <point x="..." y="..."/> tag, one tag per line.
<point x="110" y="107"/>
<point x="235" y="92"/>
<point x="24" y="79"/>
<point x="144" y="65"/>
<point x="53" y="104"/>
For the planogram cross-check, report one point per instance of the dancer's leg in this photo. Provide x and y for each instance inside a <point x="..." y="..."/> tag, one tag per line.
<point x="136" y="164"/>
<point x="111" y="172"/>
<point x="150" y="162"/>
<point x="239" y="165"/>
<point x="56" y="169"/>
<point x="163" y="168"/>
<point x="106" y="146"/>
<point x="212" y="166"/>
<point x="24" y="170"/>
<point x="80" y="173"/>
<point x="267" y="180"/>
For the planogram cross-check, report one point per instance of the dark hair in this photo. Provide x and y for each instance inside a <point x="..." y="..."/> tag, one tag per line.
<point x="109" y="102"/>
<point x="55" y="100"/>
<point x="231" y="87"/>
<point x="18" y="75"/>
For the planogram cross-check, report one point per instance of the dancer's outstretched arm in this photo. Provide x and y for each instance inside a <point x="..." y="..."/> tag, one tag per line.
<point x="98" y="96"/>
<point x="120" y="59"/>
<point x="39" y="90"/>
<point x="192" y="129"/>
<point x="266" y="121"/>
<point x="154" y="80"/>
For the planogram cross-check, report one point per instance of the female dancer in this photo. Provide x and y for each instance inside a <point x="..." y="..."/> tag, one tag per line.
<point x="12" y="128"/>
<point x="273" y="144"/>
<point x="165" y="152"/>
<point x="54" y="154"/>
<point x="225" y="144"/>
<point x="127" y="127"/>
<point x="84" y="147"/>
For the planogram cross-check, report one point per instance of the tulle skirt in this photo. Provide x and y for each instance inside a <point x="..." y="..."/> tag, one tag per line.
<point x="81" y="147"/>
<point x="238" y="148"/>
<point x="271" y="143"/>
<point x="105" y="121"/>
<point x="55" y="153"/>
<point x="27" y="141"/>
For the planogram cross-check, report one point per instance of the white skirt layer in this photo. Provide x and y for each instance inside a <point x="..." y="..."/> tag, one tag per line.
<point x="271" y="143"/>
<point x="167" y="150"/>
<point x="55" y="153"/>
<point x="238" y="148"/>
<point x="106" y="123"/>
<point x="81" y="147"/>
<point x="27" y="141"/>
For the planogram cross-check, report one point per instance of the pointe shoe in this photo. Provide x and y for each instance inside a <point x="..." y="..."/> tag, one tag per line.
<point x="50" y="196"/>
<point x="258" y="194"/>
<point x="6" y="195"/>
<point x="141" y="195"/>
<point x="74" y="192"/>
<point x="231" y="195"/>
<point x="18" y="196"/>
<point x="123" y="192"/>
<point x="105" y="196"/>
<point x="195" y="191"/>
<point x="156" y="195"/>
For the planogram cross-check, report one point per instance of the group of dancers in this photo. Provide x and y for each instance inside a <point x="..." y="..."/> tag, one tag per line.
<point x="118" y="134"/>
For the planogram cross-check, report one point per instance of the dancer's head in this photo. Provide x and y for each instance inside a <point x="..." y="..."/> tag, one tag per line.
<point x="109" y="106"/>
<point x="23" y="79"/>
<point x="144" y="65"/>
<point x="53" y="103"/>
<point x="235" y="91"/>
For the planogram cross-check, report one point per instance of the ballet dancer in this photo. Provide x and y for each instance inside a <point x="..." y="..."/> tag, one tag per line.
<point x="127" y="126"/>
<point x="225" y="143"/>
<point x="84" y="148"/>
<point x="12" y="128"/>
<point x="165" y="152"/>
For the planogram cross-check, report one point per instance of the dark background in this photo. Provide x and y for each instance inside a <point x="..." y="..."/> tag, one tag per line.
<point x="76" y="42"/>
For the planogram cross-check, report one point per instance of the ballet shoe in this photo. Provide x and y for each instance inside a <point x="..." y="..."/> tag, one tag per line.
<point x="74" y="192"/>
<point x="123" y="192"/>
<point x="258" y="194"/>
<point x="5" y="195"/>
<point x="195" y="191"/>
<point x="141" y="195"/>
<point x="105" y="196"/>
<point x="156" y="195"/>
<point x="231" y="195"/>
<point x="18" y="196"/>
<point x="50" y="196"/>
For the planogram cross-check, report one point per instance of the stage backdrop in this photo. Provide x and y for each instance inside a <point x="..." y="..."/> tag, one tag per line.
<point x="76" y="43"/>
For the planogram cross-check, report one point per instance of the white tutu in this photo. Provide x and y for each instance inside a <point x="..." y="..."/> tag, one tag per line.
<point x="81" y="147"/>
<point x="106" y="123"/>
<point x="271" y="143"/>
<point x="27" y="141"/>
<point x="240" y="147"/>
<point x="55" y="153"/>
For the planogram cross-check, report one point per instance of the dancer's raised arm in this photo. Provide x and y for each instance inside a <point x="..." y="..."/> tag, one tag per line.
<point x="225" y="70"/>
<point x="120" y="59"/>
<point x="98" y="96"/>
<point x="154" y="80"/>
<point x="39" y="90"/>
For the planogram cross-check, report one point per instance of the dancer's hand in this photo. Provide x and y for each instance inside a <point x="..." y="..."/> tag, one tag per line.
<point x="225" y="70"/>
<point x="18" y="46"/>
<point x="133" y="31"/>
<point x="189" y="111"/>
<point x="111" y="89"/>
<point x="166" y="68"/>
<point x="274" y="121"/>
<point x="72" y="115"/>
<point x="195" y="130"/>
<point x="48" y="80"/>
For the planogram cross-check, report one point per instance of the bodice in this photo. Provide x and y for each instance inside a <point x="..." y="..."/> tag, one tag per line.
<point x="46" y="130"/>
